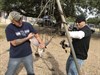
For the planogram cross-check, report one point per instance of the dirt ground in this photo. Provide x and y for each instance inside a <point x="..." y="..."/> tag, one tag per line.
<point x="54" y="58"/>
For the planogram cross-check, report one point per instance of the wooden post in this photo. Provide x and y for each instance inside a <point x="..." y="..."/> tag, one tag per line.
<point x="67" y="35"/>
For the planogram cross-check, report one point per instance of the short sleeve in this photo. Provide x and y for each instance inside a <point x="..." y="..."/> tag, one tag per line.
<point x="32" y="29"/>
<point x="10" y="34"/>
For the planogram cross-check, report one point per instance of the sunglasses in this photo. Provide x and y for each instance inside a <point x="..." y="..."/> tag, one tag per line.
<point x="78" y="21"/>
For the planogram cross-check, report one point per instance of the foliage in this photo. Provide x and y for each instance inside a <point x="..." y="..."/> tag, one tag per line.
<point x="95" y="21"/>
<point x="68" y="7"/>
<point x="95" y="4"/>
<point x="32" y="8"/>
<point x="25" y="7"/>
<point x="70" y="19"/>
<point x="1" y="4"/>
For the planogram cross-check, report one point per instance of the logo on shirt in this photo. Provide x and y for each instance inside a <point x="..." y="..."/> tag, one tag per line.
<point x="22" y="32"/>
<point x="18" y="33"/>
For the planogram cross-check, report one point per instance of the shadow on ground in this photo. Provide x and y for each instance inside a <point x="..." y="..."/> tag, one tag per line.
<point x="55" y="66"/>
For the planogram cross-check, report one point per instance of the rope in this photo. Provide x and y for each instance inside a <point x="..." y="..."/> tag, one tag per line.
<point x="48" y="11"/>
<point x="41" y="12"/>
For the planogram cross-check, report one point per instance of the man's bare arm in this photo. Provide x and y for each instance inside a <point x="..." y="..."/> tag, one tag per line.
<point x="20" y="41"/>
<point x="41" y="43"/>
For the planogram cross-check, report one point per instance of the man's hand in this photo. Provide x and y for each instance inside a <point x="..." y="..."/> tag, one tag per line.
<point x="20" y="41"/>
<point x="30" y="35"/>
<point x="42" y="45"/>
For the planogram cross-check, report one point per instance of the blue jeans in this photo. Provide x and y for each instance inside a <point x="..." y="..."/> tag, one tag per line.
<point x="71" y="67"/>
<point x="14" y="64"/>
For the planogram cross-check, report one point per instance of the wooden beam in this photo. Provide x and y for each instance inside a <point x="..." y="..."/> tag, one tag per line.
<point x="67" y="35"/>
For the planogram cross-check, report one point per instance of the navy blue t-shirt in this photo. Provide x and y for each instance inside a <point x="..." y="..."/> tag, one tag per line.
<point x="13" y="32"/>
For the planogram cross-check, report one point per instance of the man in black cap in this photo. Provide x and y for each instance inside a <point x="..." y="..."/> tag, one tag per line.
<point x="80" y="40"/>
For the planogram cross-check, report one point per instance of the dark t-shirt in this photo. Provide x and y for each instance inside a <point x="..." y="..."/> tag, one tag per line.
<point x="81" y="46"/>
<point x="13" y="32"/>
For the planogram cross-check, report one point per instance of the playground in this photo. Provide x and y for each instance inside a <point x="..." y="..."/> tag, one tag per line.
<point x="54" y="58"/>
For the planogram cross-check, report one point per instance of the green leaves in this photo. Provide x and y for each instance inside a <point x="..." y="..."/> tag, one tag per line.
<point x="33" y="7"/>
<point x="1" y="4"/>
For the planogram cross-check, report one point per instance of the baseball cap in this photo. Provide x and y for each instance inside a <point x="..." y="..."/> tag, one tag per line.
<point x="15" y="15"/>
<point x="80" y="18"/>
